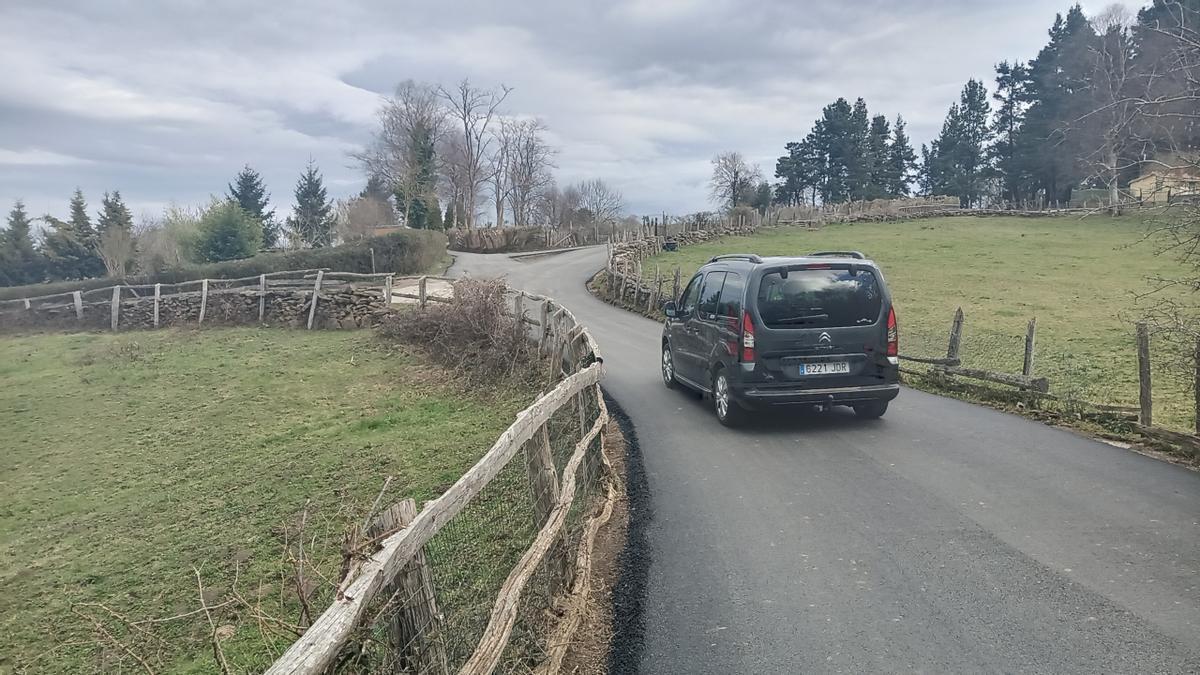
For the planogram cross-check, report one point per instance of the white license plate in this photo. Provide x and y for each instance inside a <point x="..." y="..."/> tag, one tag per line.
<point x="824" y="368"/>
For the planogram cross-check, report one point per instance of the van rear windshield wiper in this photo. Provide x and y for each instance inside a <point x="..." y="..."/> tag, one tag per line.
<point x="805" y="318"/>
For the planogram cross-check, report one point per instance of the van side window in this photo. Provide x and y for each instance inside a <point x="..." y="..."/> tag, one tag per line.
<point x="687" y="301"/>
<point x="710" y="293"/>
<point x="730" y="304"/>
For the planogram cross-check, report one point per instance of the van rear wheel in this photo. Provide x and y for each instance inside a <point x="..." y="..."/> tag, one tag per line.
<point x="871" y="411"/>
<point x="729" y="412"/>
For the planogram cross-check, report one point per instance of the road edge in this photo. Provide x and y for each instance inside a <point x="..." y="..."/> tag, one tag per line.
<point x="629" y="594"/>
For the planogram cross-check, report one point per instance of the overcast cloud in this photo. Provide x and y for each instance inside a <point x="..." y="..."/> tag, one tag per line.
<point x="165" y="100"/>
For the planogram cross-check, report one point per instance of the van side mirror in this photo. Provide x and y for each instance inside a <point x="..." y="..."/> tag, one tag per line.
<point x="669" y="309"/>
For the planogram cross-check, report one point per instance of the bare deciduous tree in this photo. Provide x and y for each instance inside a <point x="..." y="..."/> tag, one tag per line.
<point x="472" y="110"/>
<point x="116" y="249"/>
<point x="403" y="153"/>
<point x="733" y="179"/>
<point x="1107" y="130"/>
<point x="359" y="217"/>
<point x="602" y="203"/>
<point x="530" y="160"/>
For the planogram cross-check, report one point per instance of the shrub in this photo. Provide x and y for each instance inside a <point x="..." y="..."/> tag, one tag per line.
<point x="404" y="252"/>
<point x="472" y="334"/>
<point x="226" y="232"/>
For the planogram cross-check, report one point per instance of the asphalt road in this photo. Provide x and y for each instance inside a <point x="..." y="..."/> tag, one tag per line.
<point x="945" y="537"/>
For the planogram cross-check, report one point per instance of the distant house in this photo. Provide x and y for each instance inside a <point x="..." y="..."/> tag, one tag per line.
<point x="1167" y="180"/>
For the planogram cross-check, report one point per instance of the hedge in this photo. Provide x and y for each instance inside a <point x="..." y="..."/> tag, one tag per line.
<point x="404" y="252"/>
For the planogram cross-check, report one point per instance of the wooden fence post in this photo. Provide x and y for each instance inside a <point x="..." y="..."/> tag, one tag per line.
<point x="544" y="320"/>
<point x="387" y="291"/>
<point x="157" y="299"/>
<point x="1030" y="337"/>
<point x="312" y="309"/>
<point x="543" y="484"/>
<point x="262" y="297"/>
<point x="203" y="299"/>
<point x="1196" y="389"/>
<point x="675" y="286"/>
<point x="116" y="306"/>
<point x="78" y="295"/>
<point x="952" y="351"/>
<point x="26" y="302"/>
<point x="372" y="250"/>
<point x="519" y="312"/>
<point x="1145" y="403"/>
<point x="413" y="629"/>
<point x="421" y="291"/>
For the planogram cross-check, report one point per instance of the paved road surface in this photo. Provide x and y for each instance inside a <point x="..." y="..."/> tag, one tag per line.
<point x="945" y="537"/>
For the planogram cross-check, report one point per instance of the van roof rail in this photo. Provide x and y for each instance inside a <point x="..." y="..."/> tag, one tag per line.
<point x="838" y="254"/>
<point x="737" y="256"/>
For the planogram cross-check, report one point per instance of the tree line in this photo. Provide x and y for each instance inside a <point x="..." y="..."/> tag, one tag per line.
<point x="236" y="225"/>
<point x="456" y="145"/>
<point x="1108" y="97"/>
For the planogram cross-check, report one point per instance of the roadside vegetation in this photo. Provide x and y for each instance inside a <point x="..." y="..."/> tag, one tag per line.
<point x="1080" y="277"/>
<point x="135" y="463"/>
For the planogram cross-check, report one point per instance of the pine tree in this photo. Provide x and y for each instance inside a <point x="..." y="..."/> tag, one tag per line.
<point x="250" y="193"/>
<point x="312" y="217"/>
<point x="1012" y="96"/>
<point x="955" y="163"/>
<point x="113" y="213"/>
<point x="415" y="192"/>
<point x="433" y="221"/>
<point x="67" y="256"/>
<point x="81" y="225"/>
<point x="901" y="162"/>
<point x="1055" y="79"/>
<point x="877" y="158"/>
<point x="858" y="157"/>
<point x="21" y="259"/>
<point x="761" y="200"/>
<point x="449" y="219"/>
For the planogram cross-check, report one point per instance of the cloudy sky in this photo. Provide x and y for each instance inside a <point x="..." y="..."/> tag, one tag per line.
<point x="167" y="99"/>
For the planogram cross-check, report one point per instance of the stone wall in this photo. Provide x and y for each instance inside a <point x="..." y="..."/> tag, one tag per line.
<point x="337" y="307"/>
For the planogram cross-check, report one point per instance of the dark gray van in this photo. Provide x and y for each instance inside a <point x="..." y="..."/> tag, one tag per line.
<point x="756" y="332"/>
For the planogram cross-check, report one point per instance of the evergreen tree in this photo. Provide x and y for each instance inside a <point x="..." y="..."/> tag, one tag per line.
<point x="448" y="221"/>
<point x="81" y="226"/>
<point x="23" y="264"/>
<point x="433" y="221"/>
<point x="955" y="163"/>
<point x="113" y="213"/>
<point x="249" y="192"/>
<point x="312" y="218"/>
<point x="1055" y="78"/>
<point x="71" y="247"/>
<point x="415" y="192"/>
<point x="877" y="158"/>
<point x="1012" y="97"/>
<point x="833" y="145"/>
<point x="227" y="232"/>
<point x="901" y="161"/>
<point x="761" y="200"/>
<point x="858" y="153"/>
<point x="800" y="172"/>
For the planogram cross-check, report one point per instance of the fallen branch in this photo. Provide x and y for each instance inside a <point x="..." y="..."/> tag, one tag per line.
<point x="218" y="653"/>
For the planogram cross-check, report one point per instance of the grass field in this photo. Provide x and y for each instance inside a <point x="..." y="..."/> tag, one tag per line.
<point x="130" y="459"/>
<point x="1079" y="278"/>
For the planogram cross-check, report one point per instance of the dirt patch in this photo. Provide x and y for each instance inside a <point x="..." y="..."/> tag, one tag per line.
<point x="588" y="653"/>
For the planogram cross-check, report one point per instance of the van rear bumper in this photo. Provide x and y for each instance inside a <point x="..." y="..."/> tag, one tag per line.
<point x="752" y="396"/>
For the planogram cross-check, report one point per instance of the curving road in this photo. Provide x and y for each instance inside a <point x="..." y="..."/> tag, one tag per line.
<point x="945" y="537"/>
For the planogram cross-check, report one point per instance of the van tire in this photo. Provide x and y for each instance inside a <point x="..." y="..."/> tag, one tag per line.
<point x="729" y="412"/>
<point x="668" y="367"/>
<point x="871" y="411"/>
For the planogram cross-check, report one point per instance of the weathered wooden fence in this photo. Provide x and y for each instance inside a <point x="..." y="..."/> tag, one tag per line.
<point x="308" y="298"/>
<point x="415" y="604"/>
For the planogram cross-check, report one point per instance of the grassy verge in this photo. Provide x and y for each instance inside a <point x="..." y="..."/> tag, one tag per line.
<point x="1079" y="278"/>
<point x="132" y="459"/>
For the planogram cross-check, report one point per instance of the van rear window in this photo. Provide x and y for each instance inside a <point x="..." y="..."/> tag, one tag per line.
<point x="821" y="298"/>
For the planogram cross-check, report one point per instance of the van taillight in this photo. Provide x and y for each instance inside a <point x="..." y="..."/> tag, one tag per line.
<point x="893" y="334"/>
<point x="747" y="338"/>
